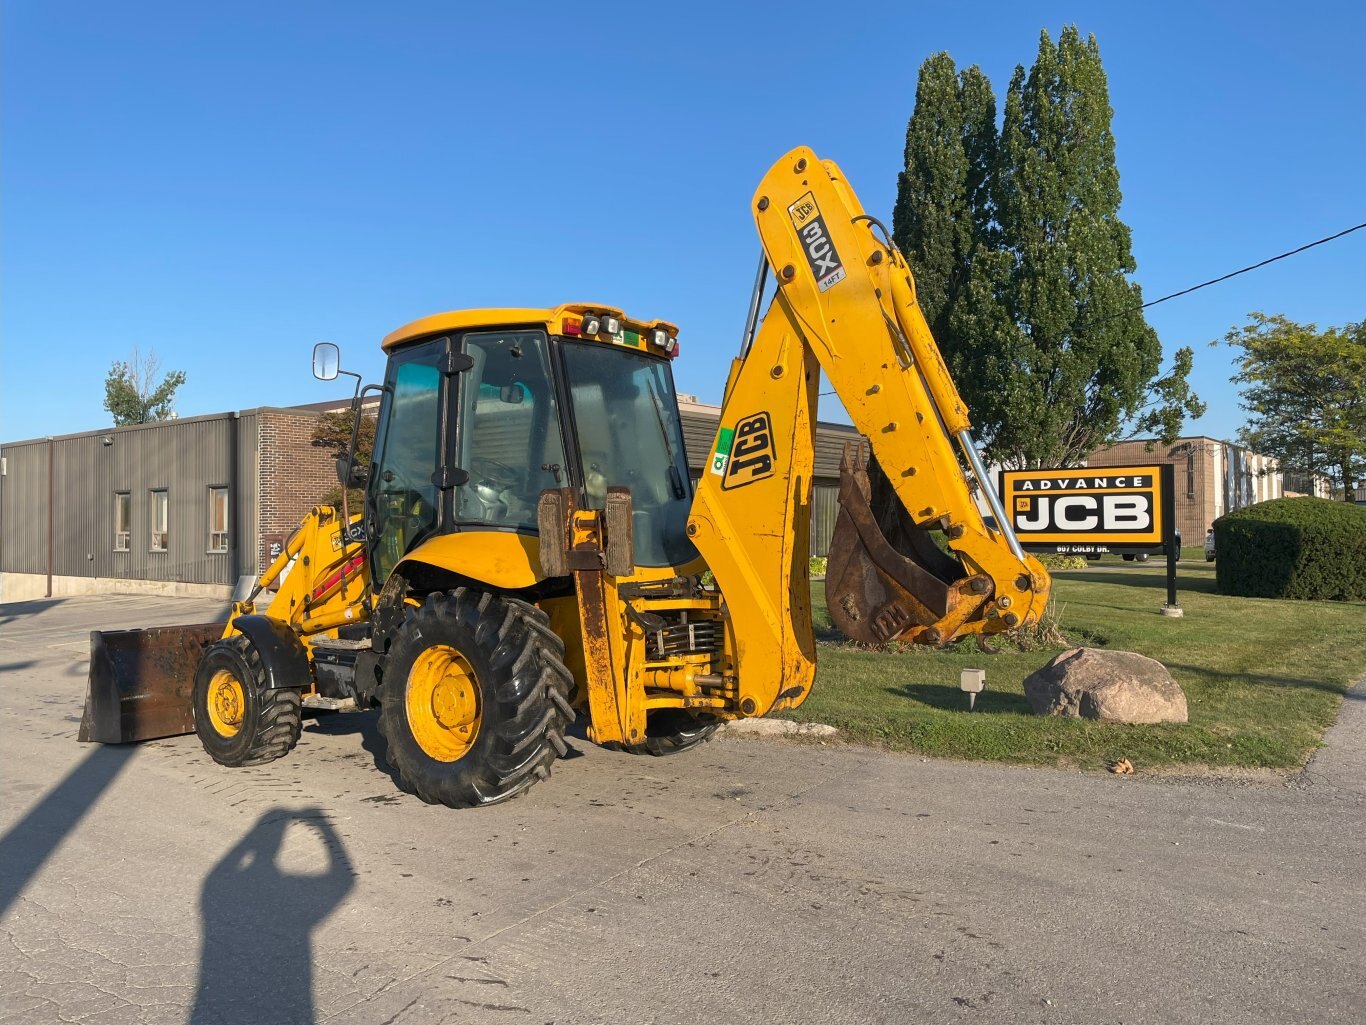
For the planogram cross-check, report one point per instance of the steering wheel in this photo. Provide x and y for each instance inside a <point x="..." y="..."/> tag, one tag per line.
<point x="490" y="471"/>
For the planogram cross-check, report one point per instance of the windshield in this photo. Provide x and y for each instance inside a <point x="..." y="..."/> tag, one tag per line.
<point x="510" y="430"/>
<point x="630" y="436"/>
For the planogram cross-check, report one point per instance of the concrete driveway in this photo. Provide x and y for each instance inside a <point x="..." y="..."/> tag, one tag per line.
<point x="749" y="881"/>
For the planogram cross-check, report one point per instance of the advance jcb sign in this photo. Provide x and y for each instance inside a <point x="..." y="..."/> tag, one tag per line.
<point x="1071" y="510"/>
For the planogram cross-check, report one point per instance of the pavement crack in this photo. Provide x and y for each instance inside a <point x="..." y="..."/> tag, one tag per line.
<point x="390" y="1021"/>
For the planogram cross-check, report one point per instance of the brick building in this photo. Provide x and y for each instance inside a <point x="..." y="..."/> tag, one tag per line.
<point x="1212" y="477"/>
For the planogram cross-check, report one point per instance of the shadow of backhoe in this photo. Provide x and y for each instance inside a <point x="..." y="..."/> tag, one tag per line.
<point x="12" y="610"/>
<point x="32" y="840"/>
<point x="256" y="960"/>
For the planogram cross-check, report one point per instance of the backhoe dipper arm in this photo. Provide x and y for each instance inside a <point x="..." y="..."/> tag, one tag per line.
<point x="845" y="304"/>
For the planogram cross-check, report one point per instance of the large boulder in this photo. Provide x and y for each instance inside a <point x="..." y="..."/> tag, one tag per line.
<point x="1113" y="686"/>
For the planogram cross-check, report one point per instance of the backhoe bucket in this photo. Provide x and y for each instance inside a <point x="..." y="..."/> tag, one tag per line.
<point x="142" y="682"/>
<point x="885" y="578"/>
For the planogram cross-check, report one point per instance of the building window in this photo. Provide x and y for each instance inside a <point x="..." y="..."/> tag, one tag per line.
<point x="123" y="520"/>
<point x="218" y="519"/>
<point x="159" y="533"/>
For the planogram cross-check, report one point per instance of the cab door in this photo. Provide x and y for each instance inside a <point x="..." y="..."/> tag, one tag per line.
<point x="402" y="494"/>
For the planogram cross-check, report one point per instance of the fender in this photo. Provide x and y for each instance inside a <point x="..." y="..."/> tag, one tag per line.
<point x="282" y="653"/>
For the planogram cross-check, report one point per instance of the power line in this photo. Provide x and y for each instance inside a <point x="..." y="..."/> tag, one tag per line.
<point x="1213" y="281"/>
<point x="1233" y="274"/>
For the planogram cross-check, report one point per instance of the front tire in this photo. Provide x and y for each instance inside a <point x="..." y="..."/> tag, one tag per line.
<point x="239" y="720"/>
<point x="474" y="699"/>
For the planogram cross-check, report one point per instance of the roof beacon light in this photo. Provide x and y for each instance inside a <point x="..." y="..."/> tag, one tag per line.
<point x="572" y="326"/>
<point x="611" y="325"/>
<point x="591" y="324"/>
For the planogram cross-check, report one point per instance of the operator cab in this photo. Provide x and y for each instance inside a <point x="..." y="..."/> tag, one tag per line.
<point x="484" y="409"/>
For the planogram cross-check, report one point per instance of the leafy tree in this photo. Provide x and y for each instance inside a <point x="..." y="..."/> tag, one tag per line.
<point x="943" y="214"/>
<point x="132" y="393"/>
<point x="333" y="432"/>
<point x="1306" y="392"/>
<point x="1023" y="264"/>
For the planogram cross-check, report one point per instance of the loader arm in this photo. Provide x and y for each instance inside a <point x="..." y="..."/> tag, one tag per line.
<point x="846" y="304"/>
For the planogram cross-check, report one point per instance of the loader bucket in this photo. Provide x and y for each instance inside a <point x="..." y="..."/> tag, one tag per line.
<point x="885" y="578"/>
<point x="142" y="682"/>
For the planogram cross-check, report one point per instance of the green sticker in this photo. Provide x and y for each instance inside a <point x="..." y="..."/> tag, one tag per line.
<point x="631" y="337"/>
<point x="724" y="440"/>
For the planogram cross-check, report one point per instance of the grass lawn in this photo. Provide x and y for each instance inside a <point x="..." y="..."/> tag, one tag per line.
<point x="1263" y="678"/>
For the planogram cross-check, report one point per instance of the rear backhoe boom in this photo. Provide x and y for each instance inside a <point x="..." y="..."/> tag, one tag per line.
<point x="845" y="304"/>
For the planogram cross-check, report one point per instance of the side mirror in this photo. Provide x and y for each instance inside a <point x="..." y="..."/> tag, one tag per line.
<point x="326" y="361"/>
<point x="349" y="475"/>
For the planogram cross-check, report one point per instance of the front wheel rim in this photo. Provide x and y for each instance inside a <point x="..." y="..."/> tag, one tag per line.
<point x="226" y="703"/>
<point x="443" y="703"/>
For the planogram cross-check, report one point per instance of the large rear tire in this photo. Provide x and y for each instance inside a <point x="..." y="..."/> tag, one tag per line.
<point x="474" y="699"/>
<point x="238" y="719"/>
<point x="671" y="731"/>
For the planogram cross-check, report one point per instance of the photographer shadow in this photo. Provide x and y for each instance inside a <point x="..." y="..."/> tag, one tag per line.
<point x="256" y="962"/>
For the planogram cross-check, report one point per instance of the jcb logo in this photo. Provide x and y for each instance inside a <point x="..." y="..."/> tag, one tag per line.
<point x="803" y="210"/>
<point x="1085" y="514"/>
<point x="751" y="455"/>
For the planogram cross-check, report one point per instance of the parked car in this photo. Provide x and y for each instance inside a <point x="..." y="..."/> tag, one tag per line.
<point x="1209" y="545"/>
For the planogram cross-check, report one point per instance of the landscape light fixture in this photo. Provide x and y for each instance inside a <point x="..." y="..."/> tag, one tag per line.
<point x="972" y="682"/>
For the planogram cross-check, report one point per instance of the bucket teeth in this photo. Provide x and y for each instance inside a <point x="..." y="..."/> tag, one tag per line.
<point x="886" y="579"/>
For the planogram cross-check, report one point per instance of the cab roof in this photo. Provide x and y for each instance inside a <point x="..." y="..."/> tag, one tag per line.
<point x="551" y="319"/>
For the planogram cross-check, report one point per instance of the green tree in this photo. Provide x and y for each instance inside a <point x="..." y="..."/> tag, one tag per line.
<point x="333" y="433"/>
<point x="1306" y="392"/>
<point x="134" y="395"/>
<point x="1023" y="264"/>
<point x="943" y="215"/>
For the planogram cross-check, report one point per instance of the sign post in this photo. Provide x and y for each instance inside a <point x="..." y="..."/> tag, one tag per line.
<point x="1092" y="511"/>
<point x="1173" y="607"/>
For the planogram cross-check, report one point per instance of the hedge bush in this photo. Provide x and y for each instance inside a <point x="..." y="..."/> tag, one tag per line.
<point x="1309" y="548"/>
<point x="1051" y="560"/>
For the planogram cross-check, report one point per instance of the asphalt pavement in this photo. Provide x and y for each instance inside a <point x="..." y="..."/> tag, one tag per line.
<point x="751" y="880"/>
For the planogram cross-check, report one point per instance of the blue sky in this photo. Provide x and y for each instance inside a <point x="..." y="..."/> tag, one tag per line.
<point x="228" y="183"/>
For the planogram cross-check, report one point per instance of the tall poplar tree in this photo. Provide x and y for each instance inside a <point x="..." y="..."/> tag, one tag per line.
<point x="1023" y="263"/>
<point x="943" y="214"/>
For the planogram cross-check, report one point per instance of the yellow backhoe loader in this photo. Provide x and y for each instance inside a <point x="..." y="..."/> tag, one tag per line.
<point x="532" y="549"/>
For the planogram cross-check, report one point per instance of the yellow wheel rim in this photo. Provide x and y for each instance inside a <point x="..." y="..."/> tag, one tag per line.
<point x="227" y="702"/>
<point x="442" y="702"/>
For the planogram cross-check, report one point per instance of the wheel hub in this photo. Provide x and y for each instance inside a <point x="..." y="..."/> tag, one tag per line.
<point x="453" y="703"/>
<point x="442" y="703"/>
<point x="226" y="703"/>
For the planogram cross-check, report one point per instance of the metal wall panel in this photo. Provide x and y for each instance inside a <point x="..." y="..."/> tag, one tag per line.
<point x="76" y="533"/>
<point x="825" y="507"/>
<point x="23" y="508"/>
<point x="699" y="431"/>
<point x="183" y="457"/>
<point x="246" y="509"/>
